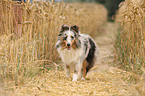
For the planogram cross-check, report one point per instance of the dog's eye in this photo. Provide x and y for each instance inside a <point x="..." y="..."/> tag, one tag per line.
<point x="65" y="38"/>
<point x="72" y="37"/>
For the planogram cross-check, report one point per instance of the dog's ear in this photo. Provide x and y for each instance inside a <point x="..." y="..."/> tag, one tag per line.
<point x="64" y="27"/>
<point x="75" y="28"/>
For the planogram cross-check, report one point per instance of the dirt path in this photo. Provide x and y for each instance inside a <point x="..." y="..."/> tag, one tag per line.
<point x="105" y="42"/>
<point x="104" y="80"/>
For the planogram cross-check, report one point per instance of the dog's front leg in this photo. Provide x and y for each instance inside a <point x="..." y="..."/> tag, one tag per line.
<point x="67" y="70"/>
<point x="77" y="71"/>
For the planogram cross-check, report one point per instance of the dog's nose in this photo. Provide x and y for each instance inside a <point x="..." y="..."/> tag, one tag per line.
<point x="68" y="45"/>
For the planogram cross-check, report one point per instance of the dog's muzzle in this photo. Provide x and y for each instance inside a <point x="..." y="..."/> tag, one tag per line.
<point x="68" y="46"/>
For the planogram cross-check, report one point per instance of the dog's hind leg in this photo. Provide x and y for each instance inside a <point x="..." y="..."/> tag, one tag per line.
<point x="83" y="71"/>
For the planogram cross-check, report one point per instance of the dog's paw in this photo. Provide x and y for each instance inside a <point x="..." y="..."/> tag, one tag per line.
<point x="75" y="77"/>
<point x="83" y="79"/>
<point x="74" y="80"/>
<point x="67" y="75"/>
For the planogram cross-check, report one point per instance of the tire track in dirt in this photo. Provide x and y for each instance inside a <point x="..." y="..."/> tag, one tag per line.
<point x="105" y="42"/>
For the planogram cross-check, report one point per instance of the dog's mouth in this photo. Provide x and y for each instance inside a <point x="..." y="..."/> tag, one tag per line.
<point x="68" y="47"/>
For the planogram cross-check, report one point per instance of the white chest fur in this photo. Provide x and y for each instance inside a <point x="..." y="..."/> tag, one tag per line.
<point x="70" y="56"/>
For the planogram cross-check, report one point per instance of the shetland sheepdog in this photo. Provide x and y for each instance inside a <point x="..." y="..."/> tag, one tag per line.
<point x="77" y="51"/>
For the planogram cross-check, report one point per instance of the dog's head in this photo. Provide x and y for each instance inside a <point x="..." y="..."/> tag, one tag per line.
<point x="69" y="36"/>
